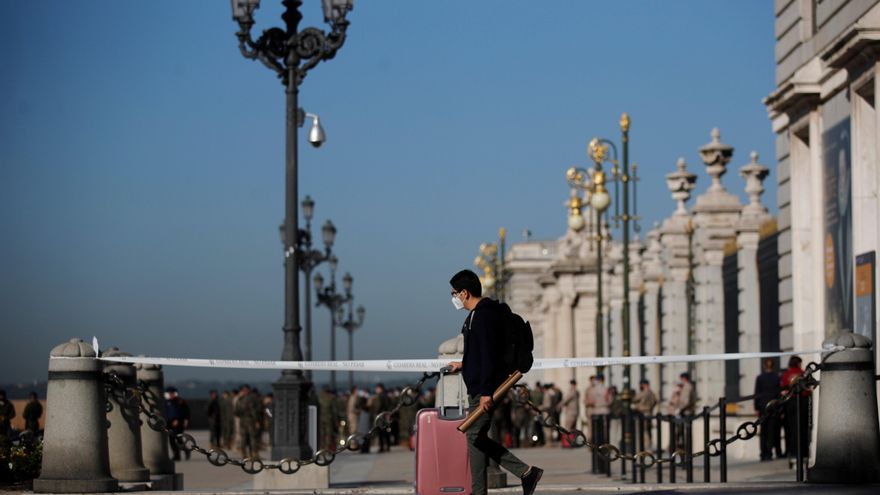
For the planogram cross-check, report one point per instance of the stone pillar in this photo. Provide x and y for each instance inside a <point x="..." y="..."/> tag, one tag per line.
<point x="154" y="443"/>
<point x="552" y="299"/>
<point x="565" y="341"/>
<point x="652" y="269"/>
<point x="75" y="458"/>
<point x="716" y="213"/>
<point x="754" y="215"/>
<point x="635" y="293"/>
<point x="124" y="435"/>
<point x="848" y="438"/>
<point x="674" y="255"/>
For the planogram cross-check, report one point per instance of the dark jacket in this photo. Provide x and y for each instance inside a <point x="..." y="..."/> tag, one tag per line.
<point x="481" y="368"/>
<point x="766" y="389"/>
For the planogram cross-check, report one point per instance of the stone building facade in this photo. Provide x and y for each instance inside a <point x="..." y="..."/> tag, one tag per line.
<point x="826" y="123"/>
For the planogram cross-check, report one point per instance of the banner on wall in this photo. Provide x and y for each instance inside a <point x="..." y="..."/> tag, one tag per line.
<point x="866" y="296"/>
<point x="838" y="229"/>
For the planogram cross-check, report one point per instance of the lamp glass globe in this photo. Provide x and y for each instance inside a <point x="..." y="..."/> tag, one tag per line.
<point x="576" y="222"/>
<point x="600" y="200"/>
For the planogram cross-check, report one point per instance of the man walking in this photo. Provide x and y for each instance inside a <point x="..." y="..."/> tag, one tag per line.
<point x="482" y="375"/>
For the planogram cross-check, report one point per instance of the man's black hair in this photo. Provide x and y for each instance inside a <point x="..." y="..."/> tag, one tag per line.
<point x="467" y="280"/>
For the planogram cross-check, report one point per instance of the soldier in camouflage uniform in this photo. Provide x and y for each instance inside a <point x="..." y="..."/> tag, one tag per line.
<point x="249" y="413"/>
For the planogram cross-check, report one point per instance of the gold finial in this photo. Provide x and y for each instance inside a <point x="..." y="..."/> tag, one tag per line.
<point x="571" y="174"/>
<point x="597" y="151"/>
<point x="624" y="122"/>
<point x="502" y="233"/>
<point x="575" y="203"/>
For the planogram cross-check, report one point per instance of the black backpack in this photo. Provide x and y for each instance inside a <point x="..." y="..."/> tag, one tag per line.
<point x="517" y="340"/>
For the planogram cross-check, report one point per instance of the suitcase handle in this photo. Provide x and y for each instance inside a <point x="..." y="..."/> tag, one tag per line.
<point x="444" y="372"/>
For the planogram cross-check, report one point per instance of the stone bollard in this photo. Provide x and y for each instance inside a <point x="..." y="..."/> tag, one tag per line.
<point x="124" y="435"/>
<point x="155" y="443"/>
<point x="848" y="438"/>
<point x="75" y="458"/>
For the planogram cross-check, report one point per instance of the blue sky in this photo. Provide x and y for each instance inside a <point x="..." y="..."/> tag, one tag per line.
<point x="141" y="157"/>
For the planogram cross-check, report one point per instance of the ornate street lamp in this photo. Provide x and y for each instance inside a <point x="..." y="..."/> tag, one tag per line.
<point x="333" y="301"/>
<point x="599" y="153"/>
<point x="291" y="53"/>
<point x="588" y="190"/>
<point x="351" y="324"/>
<point x="309" y="259"/>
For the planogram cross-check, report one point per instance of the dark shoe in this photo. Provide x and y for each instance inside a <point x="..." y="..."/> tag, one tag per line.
<point x="531" y="479"/>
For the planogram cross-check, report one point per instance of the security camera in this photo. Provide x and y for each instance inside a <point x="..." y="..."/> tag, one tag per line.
<point x="316" y="132"/>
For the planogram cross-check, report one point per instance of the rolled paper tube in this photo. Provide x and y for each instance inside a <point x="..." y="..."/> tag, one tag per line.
<point x="500" y="392"/>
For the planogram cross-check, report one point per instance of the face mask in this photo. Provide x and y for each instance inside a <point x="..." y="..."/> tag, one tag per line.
<point x="457" y="303"/>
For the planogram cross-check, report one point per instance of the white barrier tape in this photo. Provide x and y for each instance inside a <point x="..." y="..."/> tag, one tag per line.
<point x="433" y="365"/>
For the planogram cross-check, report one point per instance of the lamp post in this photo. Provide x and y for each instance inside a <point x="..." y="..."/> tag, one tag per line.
<point x="599" y="148"/>
<point x="291" y="53"/>
<point x="327" y="296"/>
<point x="351" y="324"/>
<point x="590" y="184"/>
<point x="309" y="259"/>
<point x="599" y="153"/>
<point x="491" y="261"/>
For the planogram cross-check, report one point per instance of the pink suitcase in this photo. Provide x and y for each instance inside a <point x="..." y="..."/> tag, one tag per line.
<point x="442" y="462"/>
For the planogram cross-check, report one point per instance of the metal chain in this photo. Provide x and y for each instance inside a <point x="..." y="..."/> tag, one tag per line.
<point x="647" y="459"/>
<point x="144" y="400"/>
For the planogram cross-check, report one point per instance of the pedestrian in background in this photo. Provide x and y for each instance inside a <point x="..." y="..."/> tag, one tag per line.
<point x="177" y="416"/>
<point x="269" y="417"/>
<point x="548" y="406"/>
<point x="352" y="411"/>
<point x="520" y="422"/>
<point x="597" y="403"/>
<point x="215" y="420"/>
<point x="327" y="411"/>
<point x="768" y="387"/>
<point x="7" y="412"/>
<point x="796" y="415"/>
<point x="33" y="410"/>
<point x="645" y="402"/>
<point x="378" y="404"/>
<point x="227" y="419"/>
<point x="571" y="405"/>
<point x="688" y="395"/>
<point x="248" y="411"/>
<point x="615" y="416"/>
<point x="536" y="426"/>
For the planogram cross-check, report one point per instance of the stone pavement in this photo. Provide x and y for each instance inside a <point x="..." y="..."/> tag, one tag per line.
<point x="566" y="471"/>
